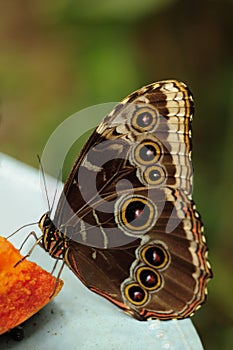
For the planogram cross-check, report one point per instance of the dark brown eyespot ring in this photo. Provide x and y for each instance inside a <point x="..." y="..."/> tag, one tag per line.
<point x="135" y="294"/>
<point x="155" y="256"/>
<point x="148" y="278"/>
<point x="144" y="119"/>
<point x="136" y="215"/>
<point x="147" y="152"/>
<point x="154" y="175"/>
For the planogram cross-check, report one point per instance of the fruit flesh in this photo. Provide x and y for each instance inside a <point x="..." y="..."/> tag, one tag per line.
<point x="24" y="289"/>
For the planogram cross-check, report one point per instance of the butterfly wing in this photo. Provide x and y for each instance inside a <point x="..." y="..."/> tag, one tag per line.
<point x="134" y="234"/>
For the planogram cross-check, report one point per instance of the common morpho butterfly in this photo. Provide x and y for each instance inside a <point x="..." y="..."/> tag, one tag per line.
<point x="125" y="223"/>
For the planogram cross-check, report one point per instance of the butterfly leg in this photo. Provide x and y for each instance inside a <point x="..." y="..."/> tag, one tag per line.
<point x="57" y="278"/>
<point x="37" y="242"/>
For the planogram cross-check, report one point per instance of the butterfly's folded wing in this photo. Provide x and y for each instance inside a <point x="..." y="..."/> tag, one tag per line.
<point x="134" y="234"/>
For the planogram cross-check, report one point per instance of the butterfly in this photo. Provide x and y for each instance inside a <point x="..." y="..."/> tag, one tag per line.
<point x="125" y="223"/>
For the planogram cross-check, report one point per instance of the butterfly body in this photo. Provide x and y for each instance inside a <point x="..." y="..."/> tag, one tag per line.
<point x="126" y="223"/>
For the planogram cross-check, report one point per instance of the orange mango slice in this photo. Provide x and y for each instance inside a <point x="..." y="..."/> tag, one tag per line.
<point x="24" y="289"/>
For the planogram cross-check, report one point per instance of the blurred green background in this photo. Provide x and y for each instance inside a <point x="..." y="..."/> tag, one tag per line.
<point x="58" y="57"/>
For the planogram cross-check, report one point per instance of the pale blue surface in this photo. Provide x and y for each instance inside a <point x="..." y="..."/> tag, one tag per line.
<point x="77" y="318"/>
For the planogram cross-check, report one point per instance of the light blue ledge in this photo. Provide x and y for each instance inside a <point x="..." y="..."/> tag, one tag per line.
<point x="77" y="318"/>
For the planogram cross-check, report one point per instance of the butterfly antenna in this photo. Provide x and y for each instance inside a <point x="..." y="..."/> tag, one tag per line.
<point x="44" y="181"/>
<point x="55" y="194"/>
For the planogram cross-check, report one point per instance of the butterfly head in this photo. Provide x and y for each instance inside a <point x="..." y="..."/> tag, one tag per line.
<point x="45" y="222"/>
